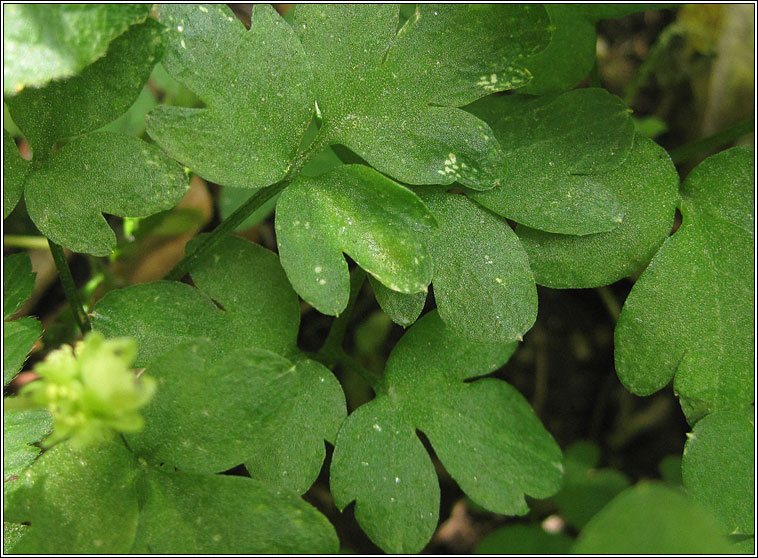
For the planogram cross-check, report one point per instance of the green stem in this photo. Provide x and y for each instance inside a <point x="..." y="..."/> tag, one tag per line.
<point x="20" y="241"/>
<point x="333" y="344"/>
<point x="609" y="301"/>
<point x="225" y="228"/>
<point x="255" y="201"/>
<point x="724" y="137"/>
<point x="647" y="67"/>
<point x="67" y="280"/>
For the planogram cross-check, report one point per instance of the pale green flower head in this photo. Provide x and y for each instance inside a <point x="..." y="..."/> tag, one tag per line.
<point x="91" y="390"/>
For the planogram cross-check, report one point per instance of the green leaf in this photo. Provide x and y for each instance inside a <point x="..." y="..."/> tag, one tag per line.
<point x="483" y="286"/>
<point x="76" y="501"/>
<point x="100" y="173"/>
<point x="21" y="428"/>
<point x="18" y="282"/>
<point x="690" y="315"/>
<point x="401" y="308"/>
<point x="484" y="432"/>
<point x="188" y="513"/>
<point x="260" y="308"/>
<point x="390" y="95"/>
<point x="15" y="169"/>
<point x="46" y="42"/>
<point x="745" y="546"/>
<point x="256" y="87"/>
<point x="353" y="209"/>
<point x="19" y="335"/>
<point x="571" y="53"/>
<point x="18" y="338"/>
<point x="586" y="489"/>
<point x="670" y="469"/>
<point x="211" y="415"/>
<point x="718" y="468"/>
<point x="645" y="186"/>
<point x="651" y="518"/>
<point x="97" y="96"/>
<point x="559" y="151"/>
<point x="523" y="539"/>
<point x="292" y="419"/>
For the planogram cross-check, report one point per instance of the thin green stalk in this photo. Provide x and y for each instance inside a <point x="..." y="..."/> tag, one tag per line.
<point x="333" y="344"/>
<point x="225" y="228"/>
<point x="612" y="305"/>
<point x="21" y="241"/>
<point x="255" y="201"/>
<point x="711" y="143"/>
<point x="67" y="280"/>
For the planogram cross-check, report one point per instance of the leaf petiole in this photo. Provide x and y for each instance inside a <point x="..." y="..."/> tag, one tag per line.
<point x="69" y="287"/>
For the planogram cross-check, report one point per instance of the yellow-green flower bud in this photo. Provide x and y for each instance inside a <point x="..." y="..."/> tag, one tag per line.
<point x="91" y="390"/>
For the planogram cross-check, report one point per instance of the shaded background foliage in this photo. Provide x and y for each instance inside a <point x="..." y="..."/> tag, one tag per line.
<point x="686" y="71"/>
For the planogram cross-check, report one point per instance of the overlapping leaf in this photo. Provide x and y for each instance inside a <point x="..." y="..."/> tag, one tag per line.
<point x="645" y="186"/>
<point x="68" y="189"/>
<point x="390" y="95"/>
<point x="256" y="87"/>
<point x="219" y="514"/>
<point x="261" y="311"/>
<point x="484" y="432"/>
<point x="54" y="41"/>
<point x="77" y="502"/>
<point x="690" y="315"/>
<point x="21" y="428"/>
<point x="14" y="174"/>
<point x="354" y="209"/>
<point x="524" y="539"/>
<point x="570" y="55"/>
<point x="586" y="489"/>
<point x="651" y="518"/>
<point x="559" y="151"/>
<point x="18" y="335"/>
<point x="718" y="468"/>
<point x="483" y="286"/>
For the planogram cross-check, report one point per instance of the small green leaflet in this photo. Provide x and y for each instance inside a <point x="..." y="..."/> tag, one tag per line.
<point x="69" y="189"/>
<point x="652" y="518"/>
<point x="54" y="41"/>
<point x="18" y="335"/>
<point x="524" y="539"/>
<point x="483" y="286"/>
<point x="187" y="513"/>
<point x="77" y="501"/>
<point x="380" y="224"/>
<point x="645" y="186"/>
<point x="256" y="87"/>
<point x="559" y="150"/>
<point x="586" y="488"/>
<point x="718" y="468"/>
<point x="390" y="95"/>
<point x="262" y="312"/>
<point x="484" y="432"/>
<point x="14" y="174"/>
<point x="690" y="315"/>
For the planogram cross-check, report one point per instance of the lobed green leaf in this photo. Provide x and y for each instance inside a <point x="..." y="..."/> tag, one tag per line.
<point x="559" y="151"/>
<point x="18" y="335"/>
<point x="256" y="87"/>
<point x="88" y="101"/>
<point x="47" y="42"/>
<point x="21" y="428"/>
<point x="718" y="468"/>
<point x="652" y="518"/>
<point x="484" y="432"/>
<point x="645" y="186"/>
<point x="220" y="514"/>
<point x="354" y="209"/>
<point x="100" y="173"/>
<point x="77" y="501"/>
<point x="690" y="315"/>
<point x="398" y="111"/>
